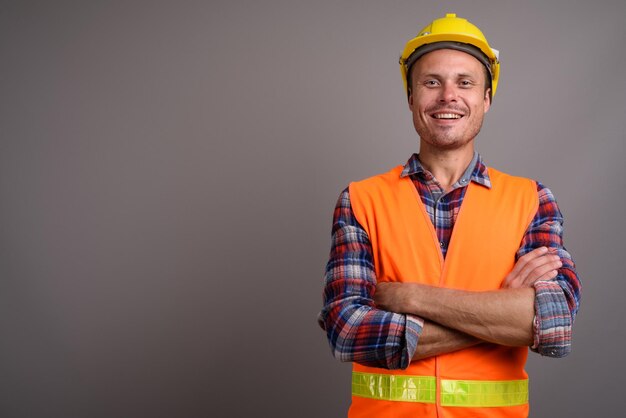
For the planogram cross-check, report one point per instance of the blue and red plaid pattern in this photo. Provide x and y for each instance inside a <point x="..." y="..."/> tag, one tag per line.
<point x="358" y="331"/>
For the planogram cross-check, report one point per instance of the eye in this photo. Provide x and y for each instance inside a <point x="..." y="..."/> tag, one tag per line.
<point x="431" y="83"/>
<point x="466" y="83"/>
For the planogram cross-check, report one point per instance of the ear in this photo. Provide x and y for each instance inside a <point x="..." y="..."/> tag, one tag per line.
<point x="487" y="104"/>
<point x="410" y="99"/>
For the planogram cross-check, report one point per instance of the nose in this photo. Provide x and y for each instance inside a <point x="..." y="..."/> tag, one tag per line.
<point x="448" y="93"/>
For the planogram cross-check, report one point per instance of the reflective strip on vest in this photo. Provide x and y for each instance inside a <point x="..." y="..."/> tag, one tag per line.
<point x="394" y="388"/>
<point x="464" y="393"/>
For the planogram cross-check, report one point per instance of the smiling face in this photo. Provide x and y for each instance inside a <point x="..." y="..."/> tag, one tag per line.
<point x="448" y="99"/>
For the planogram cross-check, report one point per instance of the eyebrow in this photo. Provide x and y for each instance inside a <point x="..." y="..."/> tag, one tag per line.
<point x="438" y="75"/>
<point x="464" y="75"/>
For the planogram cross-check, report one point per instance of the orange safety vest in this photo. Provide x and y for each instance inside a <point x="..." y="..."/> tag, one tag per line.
<point x="487" y="380"/>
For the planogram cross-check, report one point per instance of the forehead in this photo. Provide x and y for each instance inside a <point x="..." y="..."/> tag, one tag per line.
<point x="447" y="62"/>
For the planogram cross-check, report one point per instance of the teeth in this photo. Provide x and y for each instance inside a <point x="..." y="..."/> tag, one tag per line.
<point x="446" y="116"/>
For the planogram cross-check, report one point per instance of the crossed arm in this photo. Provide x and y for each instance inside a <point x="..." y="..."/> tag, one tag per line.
<point x="456" y="319"/>
<point x="362" y="327"/>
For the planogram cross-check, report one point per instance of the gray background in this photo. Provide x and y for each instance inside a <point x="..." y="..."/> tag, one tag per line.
<point x="168" y="172"/>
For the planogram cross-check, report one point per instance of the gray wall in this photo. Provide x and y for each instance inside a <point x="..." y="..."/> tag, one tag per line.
<point x="168" y="172"/>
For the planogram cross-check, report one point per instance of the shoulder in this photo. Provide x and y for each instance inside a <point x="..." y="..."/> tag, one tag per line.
<point x="545" y="194"/>
<point x="377" y="183"/>
<point x="518" y="192"/>
<point x="357" y="189"/>
<point x="548" y="207"/>
<point x="500" y="177"/>
<point x="375" y="195"/>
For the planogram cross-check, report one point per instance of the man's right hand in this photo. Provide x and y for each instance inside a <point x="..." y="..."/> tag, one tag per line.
<point x="540" y="264"/>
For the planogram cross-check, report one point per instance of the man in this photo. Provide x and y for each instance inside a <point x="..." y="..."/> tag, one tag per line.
<point x="443" y="271"/>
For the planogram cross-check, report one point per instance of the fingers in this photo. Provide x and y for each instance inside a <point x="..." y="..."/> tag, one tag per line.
<point x="547" y="271"/>
<point x="513" y="279"/>
<point x="527" y="258"/>
<point x="539" y="264"/>
<point x="537" y="267"/>
<point x="545" y="277"/>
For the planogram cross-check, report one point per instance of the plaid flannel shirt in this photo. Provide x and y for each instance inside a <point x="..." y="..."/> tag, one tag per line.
<point x="358" y="331"/>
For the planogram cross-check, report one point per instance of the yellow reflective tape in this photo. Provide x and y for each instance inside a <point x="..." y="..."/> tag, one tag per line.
<point x="482" y="393"/>
<point x="463" y="393"/>
<point x="394" y="388"/>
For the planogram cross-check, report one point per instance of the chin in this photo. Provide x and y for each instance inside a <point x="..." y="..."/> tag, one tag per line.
<point x="446" y="144"/>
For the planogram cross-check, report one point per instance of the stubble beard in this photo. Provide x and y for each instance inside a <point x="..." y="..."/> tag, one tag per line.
<point x="445" y="139"/>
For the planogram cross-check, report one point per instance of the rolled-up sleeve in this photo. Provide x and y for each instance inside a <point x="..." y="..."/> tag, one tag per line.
<point x="556" y="301"/>
<point x="357" y="331"/>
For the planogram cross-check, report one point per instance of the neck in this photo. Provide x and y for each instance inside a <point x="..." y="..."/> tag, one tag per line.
<point x="446" y="165"/>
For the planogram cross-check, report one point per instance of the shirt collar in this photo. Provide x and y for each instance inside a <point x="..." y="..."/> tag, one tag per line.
<point x="476" y="171"/>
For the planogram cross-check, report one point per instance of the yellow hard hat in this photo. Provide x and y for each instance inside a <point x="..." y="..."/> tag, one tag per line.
<point x="451" y="32"/>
